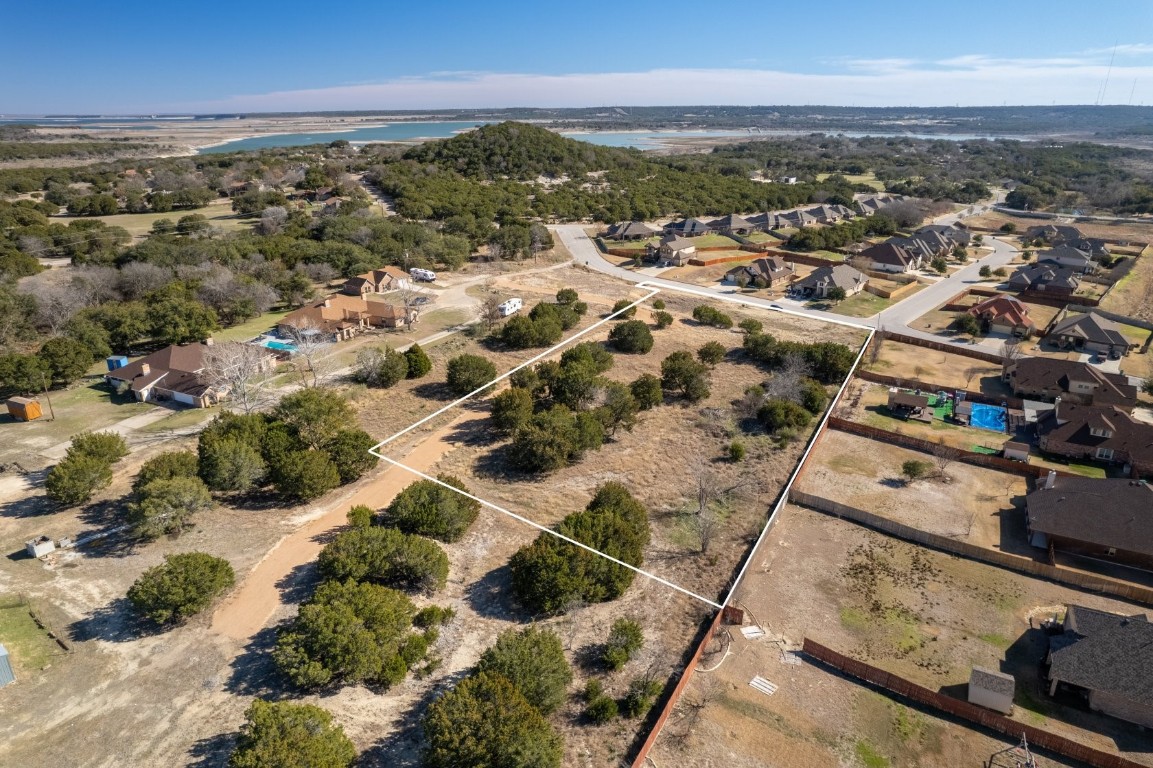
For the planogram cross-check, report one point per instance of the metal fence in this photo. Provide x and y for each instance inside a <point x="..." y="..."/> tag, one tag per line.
<point x="1039" y="738"/>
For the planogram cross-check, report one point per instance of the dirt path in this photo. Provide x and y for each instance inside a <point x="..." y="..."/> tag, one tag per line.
<point x="258" y="598"/>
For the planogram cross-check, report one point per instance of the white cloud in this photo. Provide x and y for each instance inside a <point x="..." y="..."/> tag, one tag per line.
<point x="965" y="80"/>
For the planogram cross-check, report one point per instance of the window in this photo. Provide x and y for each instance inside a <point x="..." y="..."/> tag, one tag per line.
<point x="1112" y="551"/>
<point x="1100" y="432"/>
<point x="1105" y="453"/>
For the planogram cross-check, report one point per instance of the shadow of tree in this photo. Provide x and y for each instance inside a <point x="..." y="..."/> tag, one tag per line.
<point x="212" y="751"/>
<point x="491" y="595"/>
<point x="401" y="748"/>
<point x="116" y="622"/>
<point x="254" y="673"/>
<point x="433" y="390"/>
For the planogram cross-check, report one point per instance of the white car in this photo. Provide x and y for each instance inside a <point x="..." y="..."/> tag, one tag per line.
<point x="422" y="275"/>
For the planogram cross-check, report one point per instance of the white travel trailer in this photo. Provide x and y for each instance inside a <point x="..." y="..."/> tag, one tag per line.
<point x="422" y="275"/>
<point x="510" y="307"/>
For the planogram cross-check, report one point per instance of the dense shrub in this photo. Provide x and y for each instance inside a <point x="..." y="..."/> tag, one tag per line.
<point x="533" y="661"/>
<point x="707" y="315"/>
<point x="711" y="353"/>
<point x="182" y="587"/>
<point x="467" y="373"/>
<point x="380" y="366"/>
<point x="429" y="509"/>
<point x="631" y="336"/>
<point x="554" y="438"/>
<point x="625" y="639"/>
<point x="777" y="413"/>
<point x="648" y="391"/>
<point x="166" y="466"/>
<point x="168" y="506"/>
<point x="511" y="409"/>
<point x="622" y="306"/>
<point x="282" y="734"/>
<point x="387" y="557"/>
<point x="418" y="362"/>
<point x="663" y="319"/>
<point x="687" y="377"/>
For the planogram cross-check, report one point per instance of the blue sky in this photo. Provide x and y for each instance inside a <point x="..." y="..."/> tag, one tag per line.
<point x="69" y="56"/>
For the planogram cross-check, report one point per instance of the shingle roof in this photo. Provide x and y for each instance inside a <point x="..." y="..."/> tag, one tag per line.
<point x="1091" y="327"/>
<point x="1108" y="513"/>
<point x="1045" y="274"/>
<point x="992" y="680"/>
<point x="732" y="221"/>
<point x="1037" y="373"/>
<point x="1003" y="307"/>
<point x="1071" y="422"/>
<point x="177" y="357"/>
<point x="841" y="275"/>
<point x="631" y="229"/>
<point x="889" y="252"/>
<point x="1065" y="252"/>
<point x="1105" y="652"/>
<point x="688" y="226"/>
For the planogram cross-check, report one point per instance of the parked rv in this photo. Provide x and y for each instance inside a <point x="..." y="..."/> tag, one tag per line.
<point x="422" y="275"/>
<point x="510" y="307"/>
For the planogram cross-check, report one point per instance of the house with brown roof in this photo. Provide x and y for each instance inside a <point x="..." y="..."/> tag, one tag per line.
<point x="671" y="251"/>
<point x="771" y="272"/>
<point x="799" y="219"/>
<point x="1090" y="332"/>
<point x="731" y="225"/>
<point x="907" y="405"/>
<point x="377" y="281"/>
<point x="340" y="317"/>
<point x="1107" y="658"/>
<point x="1106" y="518"/>
<point x="630" y="230"/>
<point x="1100" y="433"/>
<point x="173" y="373"/>
<point x="1048" y="277"/>
<point x="767" y="222"/>
<point x="1047" y="378"/>
<point x="1003" y="314"/>
<point x="818" y="283"/>
<point x="891" y="257"/>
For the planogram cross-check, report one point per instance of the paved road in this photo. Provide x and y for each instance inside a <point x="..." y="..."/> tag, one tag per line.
<point x="894" y="318"/>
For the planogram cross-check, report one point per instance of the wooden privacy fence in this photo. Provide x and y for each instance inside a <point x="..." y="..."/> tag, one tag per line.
<point x="1085" y="581"/>
<point x="899" y="381"/>
<point x="1037" y="737"/>
<point x="926" y="446"/>
<point x="956" y="349"/>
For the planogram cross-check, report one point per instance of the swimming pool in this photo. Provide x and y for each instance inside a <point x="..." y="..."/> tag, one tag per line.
<point x="283" y="346"/>
<point x="991" y="417"/>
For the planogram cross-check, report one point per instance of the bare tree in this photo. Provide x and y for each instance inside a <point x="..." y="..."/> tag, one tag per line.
<point x="139" y="277"/>
<point x="272" y="220"/>
<point x="1011" y="349"/>
<point x="943" y="456"/>
<point x="875" y="347"/>
<point x="788" y="378"/>
<point x="313" y="345"/>
<point x="713" y="495"/>
<point x="240" y="371"/>
<point x="490" y="313"/>
<point x="410" y="299"/>
<point x="56" y="302"/>
<point x="969" y="374"/>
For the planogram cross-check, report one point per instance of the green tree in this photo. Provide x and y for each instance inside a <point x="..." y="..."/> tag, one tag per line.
<point x="486" y="721"/>
<point x="350" y="632"/>
<point x="167" y="506"/>
<point x="625" y="638"/>
<point x="380" y="366"/>
<point x="659" y="304"/>
<point x="281" y="734"/>
<point x="966" y="323"/>
<point x="231" y="464"/>
<point x="620" y="408"/>
<point x="647" y="391"/>
<point x="166" y="466"/>
<point x="836" y="294"/>
<point x="914" y="470"/>
<point x="779" y="414"/>
<point x="736" y="452"/>
<point x="533" y="661"/>
<point x="663" y="320"/>
<point x="76" y="478"/>
<point x="305" y="475"/>
<point x="631" y="336"/>
<point x="348" y="450"/>
<point x="600" y="359"/>
<point x="813" y="396"/>
<point x="985" y="270"/>
<point x="641" y="696"/>
<point x="430" y="509"/>
<point x="105" y="445"/>
<point x="1008" y="227"/>
<point x="622" y="306"/>
<point x="387" y="557"/>
<point x="66" y="359"/>
<point x="360" y="516"/>
<point x="511" y="409"/>
<point x="467" y="373"/>
<point x="711" y="353"/>
<point x="315" y="415"/>
<point x="567" y="296"/>
<point x="554" y="438"/>
<point x="181" y="321"/>
<point x="939" y="265"/>
<point x="751" y="326"/>
<point x="418" y="362"/>
<point x="682" y="374"/>
<point x="707" y="315"/>
<point x="182" y="587"/>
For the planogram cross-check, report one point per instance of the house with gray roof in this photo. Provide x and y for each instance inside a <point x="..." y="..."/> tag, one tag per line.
<point x="731" y="225"/>
<point x="671" y="251"/>
<point x="1048" y="277"/>
<point x="954" y="234"/>
<point x="1090" y="332"/>
<point x="1108" y="659"/>
<point x="630" y="230"/>
<point x="1097" y="433"/>
<point x="1110" y="519"/>
<point x="818" y="283"/>
<point x="1068" y="256"/>
<point x="687" y="228"/>
<point x="770" y="272"/>
<point x="1048" y="378"/>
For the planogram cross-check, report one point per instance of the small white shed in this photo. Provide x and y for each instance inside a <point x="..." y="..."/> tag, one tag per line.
<point x="39" y="546"/>
<point x="991" y="689"/>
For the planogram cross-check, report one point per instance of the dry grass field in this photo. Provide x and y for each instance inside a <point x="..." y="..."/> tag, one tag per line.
<point x="923" y="615"/>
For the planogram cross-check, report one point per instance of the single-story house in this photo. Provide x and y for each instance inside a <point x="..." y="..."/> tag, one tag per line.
<point x="830" y="214"/>
<point x="630" y="230"/>
<point x="1047" y="378"/>
<point x="1068" y="256"/>
<point x="929" y="245"/>
<point x="172" y="373"/>
<point x="1004" y="314"/>
<point x="1105" y="518"/>
<point x="1053" y="233"/>
<point x="771" y="272"/>
<point x="891" y="257"/>
<point x="687" y="228"/>
<point x="671" y="251"/>
<point x="951" y="232"/>
<point x="908" y="405"/>
<point x="377" y="281"/>
<point x="731" y="225"/>
<point x="799" y="219"/>
<point x="992" y="689"/>
<point x="818" y="283"/>
<point x="1104" y="657"/>
<point x="1090" y="332"/>
<point x="767" y="222"/>
<point x="1102" y="433"/>
<point x="340" y="317"/>
<point x="1048" y="277"/>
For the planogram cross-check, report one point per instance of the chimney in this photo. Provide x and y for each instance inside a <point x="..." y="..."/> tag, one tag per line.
<point x="145" y="369"/>
<point x="208" y="342"/>
<point x="1051" y="479"/>
<point x="327" y="303"/>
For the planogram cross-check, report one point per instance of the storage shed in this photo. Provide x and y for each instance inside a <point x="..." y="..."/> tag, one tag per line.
<point x="991" y="689"/>
<point x="6" y="674"/>
<point x="24" y="408"/>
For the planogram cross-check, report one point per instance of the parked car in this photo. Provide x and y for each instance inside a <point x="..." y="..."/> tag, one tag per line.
<point x="422" y="275"/>
<point x="510" y="307"/>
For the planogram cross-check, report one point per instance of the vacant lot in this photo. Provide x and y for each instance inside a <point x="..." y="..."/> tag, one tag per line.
<point x="218" y="212"/>
<point x="920" y="614"/>
<point x="943" y="368"/>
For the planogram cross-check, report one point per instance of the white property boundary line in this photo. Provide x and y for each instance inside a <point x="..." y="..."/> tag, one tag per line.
<point x="653" y="291"/>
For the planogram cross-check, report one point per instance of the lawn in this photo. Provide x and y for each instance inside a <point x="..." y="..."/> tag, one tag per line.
<point x="252" y="328"/>
<point x="631" y="245"/>
<point x="219" y="214"/>
<point x="29" y="647"/>
<point x="714" y="240"/>
<point x="762" y="237"/>
<point x="187" y="417"/>
<point x="864" y="304"/>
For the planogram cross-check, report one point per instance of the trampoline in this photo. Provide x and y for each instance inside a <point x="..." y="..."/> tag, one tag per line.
<point x="991" y="417"/>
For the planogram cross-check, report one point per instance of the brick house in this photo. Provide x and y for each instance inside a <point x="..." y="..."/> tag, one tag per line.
<point x="1110" y="519"/>
<point x="1100" y="433"/>
<point x="1047" y="378"/>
